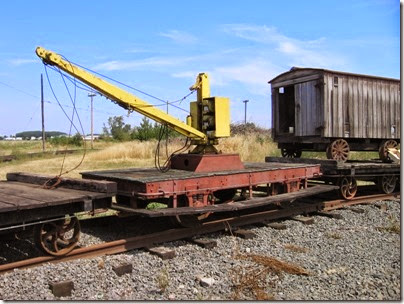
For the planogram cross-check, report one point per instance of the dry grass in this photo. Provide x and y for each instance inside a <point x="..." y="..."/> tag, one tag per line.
<point x="251" y="282"/>
<point x="252" y="147"/>
<point x="393" y="225"/>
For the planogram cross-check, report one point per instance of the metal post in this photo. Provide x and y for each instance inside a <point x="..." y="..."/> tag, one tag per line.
<point x="43" y="116"/>
<point x="245" y="110"/>
<point x="91" y="95"/>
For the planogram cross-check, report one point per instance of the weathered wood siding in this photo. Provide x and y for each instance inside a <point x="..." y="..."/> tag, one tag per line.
<point x="308" y="108"/>
<point x="360" y="107"/>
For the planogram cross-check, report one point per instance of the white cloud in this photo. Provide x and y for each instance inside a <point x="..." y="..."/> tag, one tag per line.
<point x="312" y="53"/>
<point x="21" y="61"/>
<point x="179" y="36"/>
<point x="150" y="62"/>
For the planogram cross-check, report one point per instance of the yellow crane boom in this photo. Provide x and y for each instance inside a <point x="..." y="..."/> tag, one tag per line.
<point x="124" y="98"/>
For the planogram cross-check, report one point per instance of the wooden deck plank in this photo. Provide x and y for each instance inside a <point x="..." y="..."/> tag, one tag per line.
<point x="29" y="196"/>
<point x="144" y="175"/>
<point x="65" y="182"/>
<point x="6" y="207"/>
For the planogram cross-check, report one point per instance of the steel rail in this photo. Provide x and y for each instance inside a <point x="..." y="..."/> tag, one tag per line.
<point x="144" y="241"/>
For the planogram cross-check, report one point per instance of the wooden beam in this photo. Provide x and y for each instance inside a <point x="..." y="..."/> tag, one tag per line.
<point x="66" y="182"/>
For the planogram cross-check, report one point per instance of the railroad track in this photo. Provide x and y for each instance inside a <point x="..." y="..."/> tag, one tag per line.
<point x="144" y="241"/>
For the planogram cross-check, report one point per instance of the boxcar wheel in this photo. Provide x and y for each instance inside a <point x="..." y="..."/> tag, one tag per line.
<point x="387" y="183"/>
<point x="338" y="150"/>
<point x="291" y="153"/>
<point x="347" y="187"/>
<point x="383" y="149"/>
<point x="59" y="237"/>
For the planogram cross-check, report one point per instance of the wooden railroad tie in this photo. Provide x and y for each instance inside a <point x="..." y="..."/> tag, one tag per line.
<point x="303" y="219"/>
<point x="122" y="269"/>
<point x="277" y="226"/>
<point x="162" y="252"/>
<point x="357" y="210"/>
<point x="244" y="234"/>
<point x="62" y="289"/>
<point x="328" y="214"/>
<point x="204" y="243"/>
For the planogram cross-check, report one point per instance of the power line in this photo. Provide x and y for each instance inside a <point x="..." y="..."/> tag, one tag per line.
<point x="10" y="86"/>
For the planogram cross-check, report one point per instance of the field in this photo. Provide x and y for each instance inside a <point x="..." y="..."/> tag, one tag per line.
<point x="252" y="147"/>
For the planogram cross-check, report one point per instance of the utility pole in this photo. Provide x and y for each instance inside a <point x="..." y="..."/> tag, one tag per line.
<point x="245" y="110"/>
<point x="91" y="95"/>
<point x="43" y="116"/>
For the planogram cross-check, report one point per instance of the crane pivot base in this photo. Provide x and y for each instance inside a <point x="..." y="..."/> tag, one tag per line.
<point x="206" y="162"/>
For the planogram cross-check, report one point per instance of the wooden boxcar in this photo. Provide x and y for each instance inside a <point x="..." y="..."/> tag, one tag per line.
<point x="336" y="112"/>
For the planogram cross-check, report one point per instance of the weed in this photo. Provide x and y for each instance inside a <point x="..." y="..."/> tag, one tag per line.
<point x="334" y="235"/>
<point x="253" y="280"/>
<point x="163" y="279"/>
<point x="154" y="206"/>
<point x="393" y="225"/>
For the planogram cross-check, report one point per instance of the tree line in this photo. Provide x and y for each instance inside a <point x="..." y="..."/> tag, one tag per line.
<point x="118" y="130"/>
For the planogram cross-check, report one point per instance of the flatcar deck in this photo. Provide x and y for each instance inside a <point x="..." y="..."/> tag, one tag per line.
<point x="23" y="198"/>
<point x="146" y="175"/>
<point x="345" y="174"/>
<point x="352" y="167"/>
<point x="178" y="188"/>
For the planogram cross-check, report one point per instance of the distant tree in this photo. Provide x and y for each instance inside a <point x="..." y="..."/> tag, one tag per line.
<point x="146" y="130"/>
<point x="117" y="128"/>
<point x="29" y="134"/>
<point x="76" y="140"/>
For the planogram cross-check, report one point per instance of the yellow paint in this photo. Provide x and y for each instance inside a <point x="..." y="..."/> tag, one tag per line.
<point x="209" y="116"/>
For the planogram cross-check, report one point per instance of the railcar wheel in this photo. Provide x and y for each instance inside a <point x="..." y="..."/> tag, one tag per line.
<point x="225" y="194"/>
<point x="338" y="150"/>
<point x="387" y="183"/>
<point x="59" y="237"/>
<point x="383" y="149"/>
<point x="348" y="187"/>
<point x="291" y="153"/>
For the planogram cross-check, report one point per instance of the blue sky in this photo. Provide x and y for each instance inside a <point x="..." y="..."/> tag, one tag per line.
<point x="160" y="46"/>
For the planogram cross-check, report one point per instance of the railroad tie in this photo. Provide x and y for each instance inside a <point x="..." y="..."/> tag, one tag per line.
<point x="303" y="219"/>
<point x="328" y="214"/>
<point x="122" y="269"/>
<point x="244" y="234"/>
<point x="277" y="226"/>
<point x="204" y="243"/>
<point x="62" y="289"/>
<point x="162" y="252"/>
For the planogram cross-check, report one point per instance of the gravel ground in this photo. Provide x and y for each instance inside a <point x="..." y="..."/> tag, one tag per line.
<point x="353" y="258"/>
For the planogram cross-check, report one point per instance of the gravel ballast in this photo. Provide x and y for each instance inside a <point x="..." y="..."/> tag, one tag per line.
<point x="353" y="258"/>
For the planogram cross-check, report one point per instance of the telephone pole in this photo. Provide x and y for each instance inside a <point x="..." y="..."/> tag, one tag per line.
<point x="91" y="95"/>
<point x="43" y="116"/>
<point x="245" y="110"/>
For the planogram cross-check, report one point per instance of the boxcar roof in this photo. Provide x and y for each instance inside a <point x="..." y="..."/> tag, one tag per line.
<point x="295" y="69"/>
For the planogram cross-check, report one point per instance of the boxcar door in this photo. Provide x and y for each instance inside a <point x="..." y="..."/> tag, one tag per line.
<point x="308" y="108"/>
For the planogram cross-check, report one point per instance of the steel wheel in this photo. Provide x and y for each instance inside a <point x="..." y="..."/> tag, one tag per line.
<point x="348" y="187"/>
<point x="387" y="183"/>
<point x="291" y="153"/>
<point x="59" y="237"/>
<point x="383" y="149"/>
<point x="338" y="150"/>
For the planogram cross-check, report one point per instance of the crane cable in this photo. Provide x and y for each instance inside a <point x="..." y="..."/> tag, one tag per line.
<point x="163" y="129"/>
<point x="53" y="182"/>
